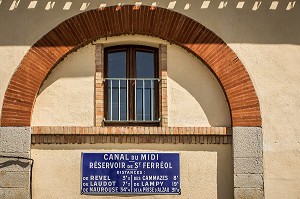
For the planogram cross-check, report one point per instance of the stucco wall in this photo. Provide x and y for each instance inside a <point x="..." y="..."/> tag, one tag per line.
<point x="275" y="73"/>
<point x="67" y="96"/>
<point x="195" y="97"/>
<point x="56" y="172"/>
<point x="10" y="57"/>
<point x="266" y="40"/>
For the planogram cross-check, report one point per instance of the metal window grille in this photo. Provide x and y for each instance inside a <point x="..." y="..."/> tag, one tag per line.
<point x="144" y="99"/>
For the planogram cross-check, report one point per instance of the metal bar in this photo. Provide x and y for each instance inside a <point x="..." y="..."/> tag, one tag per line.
<point x="143" y="110"/>
<point x="152" y="100"/>
<point x="135" y="99"/>
<point x="111" y="99"/>
<point x="119" y="105"/>
<point x="127" y="99"/>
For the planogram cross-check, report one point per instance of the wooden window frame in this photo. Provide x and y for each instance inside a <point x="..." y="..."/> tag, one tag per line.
<point x="131" y="73"/>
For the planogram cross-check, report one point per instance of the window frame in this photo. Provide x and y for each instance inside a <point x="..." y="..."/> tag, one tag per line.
<point x="131" y="73"/>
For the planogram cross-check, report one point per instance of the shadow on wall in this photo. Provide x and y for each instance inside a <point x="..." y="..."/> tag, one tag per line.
<point x="237" y="21"/>
<point x="190" y="77"/>
<point x="79" y="64"/>
<point x="67" y="95"/>
<point x="8" y="163"/>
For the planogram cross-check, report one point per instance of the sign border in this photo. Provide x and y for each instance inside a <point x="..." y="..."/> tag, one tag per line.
<point x="127" y="193"/>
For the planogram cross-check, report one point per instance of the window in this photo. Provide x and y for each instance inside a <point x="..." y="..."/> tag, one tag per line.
<point x="131" y="84"/>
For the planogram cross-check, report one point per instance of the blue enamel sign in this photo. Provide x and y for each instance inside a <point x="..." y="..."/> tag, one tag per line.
<point x="130" y="173"/>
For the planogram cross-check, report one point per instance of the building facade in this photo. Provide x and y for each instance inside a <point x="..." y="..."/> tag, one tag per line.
<point x="213" y="81"/>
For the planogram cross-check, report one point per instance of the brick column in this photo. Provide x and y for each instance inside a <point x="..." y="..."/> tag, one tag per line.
<point x="99" y="85"/>
<point x="248" y="162"/>
<point x="163" y="97"/>
<point x="15" y="172"/>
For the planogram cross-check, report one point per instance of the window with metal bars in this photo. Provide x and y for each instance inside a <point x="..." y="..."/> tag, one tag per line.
<point x="131" y="85"/>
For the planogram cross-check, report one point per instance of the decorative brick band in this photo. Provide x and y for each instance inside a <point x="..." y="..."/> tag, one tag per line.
<point x="137" y="139"/>
<point x="92" y="135"/>
<point x="82" y="29"/>
<point x="141" y="130"/>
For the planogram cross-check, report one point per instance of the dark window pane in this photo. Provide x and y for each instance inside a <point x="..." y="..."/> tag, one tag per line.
<point x="139" y="100"/>
<point x="116" y="68"/>
<point x="123" y="99"/>
<point x="117" y="100"/>
<point x="145" y="100"/>
<point x="116" y="64"/>
<point x="109" y="101"/>
<point x="144" y="69"/>
<point x="144" y="64"/>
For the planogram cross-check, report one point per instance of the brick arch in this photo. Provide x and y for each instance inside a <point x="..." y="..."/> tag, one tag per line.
<point x="81" y="29"/>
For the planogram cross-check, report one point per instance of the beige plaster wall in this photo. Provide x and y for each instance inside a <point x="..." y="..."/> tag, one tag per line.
<point x="195" y="97"/>
<point x="56" y="172"/>
<point x="266" y="40"/>
<point x="276" y="78"/>
<point x="10" y="57"/>
<point x="67" y="96"/>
